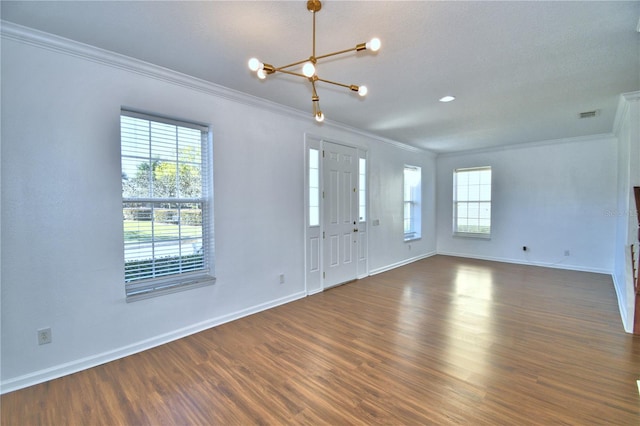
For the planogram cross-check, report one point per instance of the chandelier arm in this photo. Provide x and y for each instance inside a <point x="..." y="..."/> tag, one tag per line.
<point x="335" y="83"/>
<point x="292" y="73"/>
<point x="340" y="52"/>
<point x="292" y="65"/>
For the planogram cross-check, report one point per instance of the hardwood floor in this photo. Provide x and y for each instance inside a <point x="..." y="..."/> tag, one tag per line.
<point x="441" y="341"/>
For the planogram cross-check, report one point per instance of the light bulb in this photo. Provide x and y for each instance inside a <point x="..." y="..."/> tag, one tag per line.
<point x="261" y="74"/>
<point x="362" y="91"/>
<point x="374" y="44"/>
<point x="254" y="64"/>
<point x="319" y="117"/>
<point x="308" y="69"/>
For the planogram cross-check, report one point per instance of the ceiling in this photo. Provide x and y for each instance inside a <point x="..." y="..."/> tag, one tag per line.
<point x="520" y="71"/>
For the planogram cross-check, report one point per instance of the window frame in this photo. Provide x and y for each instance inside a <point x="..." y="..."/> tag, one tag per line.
<point x="479" y="200"/>
<point x="412" y="198"/>
<point x="194" y="276"/>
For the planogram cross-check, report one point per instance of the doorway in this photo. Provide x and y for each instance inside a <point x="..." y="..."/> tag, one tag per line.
<point x="336" y="231"/>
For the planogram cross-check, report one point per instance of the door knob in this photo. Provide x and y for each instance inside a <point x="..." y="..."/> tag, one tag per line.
<point x="355" y="229"/>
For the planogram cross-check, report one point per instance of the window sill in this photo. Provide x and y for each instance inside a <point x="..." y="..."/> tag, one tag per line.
<point x="170" y="287"/>
<point x="472" y="235"/>
<point x="409" y="239"/>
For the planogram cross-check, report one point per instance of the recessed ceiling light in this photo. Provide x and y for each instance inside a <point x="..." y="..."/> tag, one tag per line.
<point x="447" y="98"/>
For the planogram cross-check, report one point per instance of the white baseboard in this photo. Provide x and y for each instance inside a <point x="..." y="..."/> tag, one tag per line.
<point x="556" y="265"/>
<point x="401" y="263"/>
<point x="57" y="371"/>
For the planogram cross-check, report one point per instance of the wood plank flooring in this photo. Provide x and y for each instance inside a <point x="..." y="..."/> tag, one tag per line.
<point x="441" y="341"/>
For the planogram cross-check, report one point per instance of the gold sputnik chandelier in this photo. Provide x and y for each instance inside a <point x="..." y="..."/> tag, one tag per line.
<point x="309" y="65"/>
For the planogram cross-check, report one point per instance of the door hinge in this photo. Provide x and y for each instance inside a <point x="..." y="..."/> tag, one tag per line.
<point x="323" y="153"/>
<point x="323" y="195"/>
<point x="354" y="190"/>
<point x="324" y="275"/>
<point x="323" y="235"/>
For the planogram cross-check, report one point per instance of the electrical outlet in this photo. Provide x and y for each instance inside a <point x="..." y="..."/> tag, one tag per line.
<point x="281" y="278"/>
<point x="567" y="253"/>
<point x="44" y="336"/>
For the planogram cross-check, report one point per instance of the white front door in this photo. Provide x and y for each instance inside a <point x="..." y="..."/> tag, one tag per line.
<point x="340" y="218"/>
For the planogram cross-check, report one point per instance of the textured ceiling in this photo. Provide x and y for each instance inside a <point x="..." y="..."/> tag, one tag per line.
<point x="521" y="71"/>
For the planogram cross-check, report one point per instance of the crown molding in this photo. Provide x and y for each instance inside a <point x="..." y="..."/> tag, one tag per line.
<point x="623" y="105"/>
<point x="30" y="36"/>
<point x="41" y="39"/>
<point x="578" y="139"/>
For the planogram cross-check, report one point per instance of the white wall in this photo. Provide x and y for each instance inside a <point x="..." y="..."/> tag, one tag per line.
<point x="386" y="201"/>
<point x="550" y="197"/>
<point x="628" y="131"/>
<point x="62" y="256"/>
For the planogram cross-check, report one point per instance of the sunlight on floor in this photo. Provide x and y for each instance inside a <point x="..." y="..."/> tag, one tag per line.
<point x="470" y="333"/>
<point x="474" y="283"/>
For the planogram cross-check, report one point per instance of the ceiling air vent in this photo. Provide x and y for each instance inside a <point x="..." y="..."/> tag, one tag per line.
<point x="588" y="114"/>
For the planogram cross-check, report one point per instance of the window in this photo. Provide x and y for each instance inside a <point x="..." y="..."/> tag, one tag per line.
<point x="314" y="187"/>
<point x="165" y="204"/>
<point x="362" y="192"/>
<point x="472" y="202"/>
<point x="412" y="201"/>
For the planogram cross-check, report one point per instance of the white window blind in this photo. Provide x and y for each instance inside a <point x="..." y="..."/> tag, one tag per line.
<point x="165" y="204"/>
<point x="472" y="201"/>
